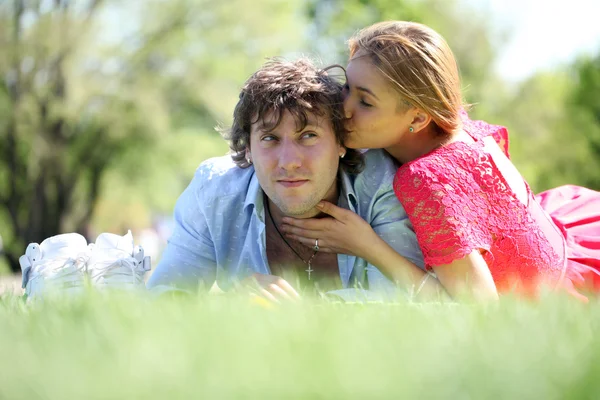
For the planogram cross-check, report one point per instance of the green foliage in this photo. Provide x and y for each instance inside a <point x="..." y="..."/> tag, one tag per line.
<point x="555" y="135"/>
<point x="95" y="114"/>
<point x="129" y="202"/>
<point x="230" y="347"/>
<point x="533" y="116"/>
<point x="584" y="108"/>
<point x="467" y="31"/>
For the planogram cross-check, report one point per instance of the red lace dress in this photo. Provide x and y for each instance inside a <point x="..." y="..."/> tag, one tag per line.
<point x="458" y="201"/>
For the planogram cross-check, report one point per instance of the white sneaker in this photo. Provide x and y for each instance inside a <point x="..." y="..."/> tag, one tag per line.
<point x="57" y="266"/>
<point x="115" y="264"/>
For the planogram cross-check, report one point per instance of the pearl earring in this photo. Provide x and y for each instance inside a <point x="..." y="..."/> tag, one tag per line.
<point x="410" y="129"/>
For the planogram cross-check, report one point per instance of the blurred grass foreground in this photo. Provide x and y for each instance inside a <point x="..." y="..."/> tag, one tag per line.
<point x="228" y="347"/>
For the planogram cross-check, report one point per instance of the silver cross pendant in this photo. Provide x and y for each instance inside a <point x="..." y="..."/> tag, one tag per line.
<point x="309" y="270"/>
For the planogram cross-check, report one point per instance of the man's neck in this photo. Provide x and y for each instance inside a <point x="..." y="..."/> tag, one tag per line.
<point x="314" y="212"/>
<point x="291" y="259"/>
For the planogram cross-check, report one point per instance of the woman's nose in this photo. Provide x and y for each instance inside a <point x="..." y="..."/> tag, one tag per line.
<point x="347" y="109"/>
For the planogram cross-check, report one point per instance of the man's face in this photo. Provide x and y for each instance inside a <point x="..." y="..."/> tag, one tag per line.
<point x="296" y="169"/>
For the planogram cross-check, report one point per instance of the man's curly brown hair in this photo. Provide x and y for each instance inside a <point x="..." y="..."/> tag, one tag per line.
<point x="295" y="86"/>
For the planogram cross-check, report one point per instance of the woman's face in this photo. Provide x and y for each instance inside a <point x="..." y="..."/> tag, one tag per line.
<point x="372" y="107"/>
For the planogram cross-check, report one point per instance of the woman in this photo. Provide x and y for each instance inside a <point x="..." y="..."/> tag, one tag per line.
<point x="480" y="227"/>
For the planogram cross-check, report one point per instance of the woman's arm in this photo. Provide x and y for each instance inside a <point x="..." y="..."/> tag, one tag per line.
<point x="403" y="272"/>
<point x="347" y="233"/>
<point x="468" y="278"/>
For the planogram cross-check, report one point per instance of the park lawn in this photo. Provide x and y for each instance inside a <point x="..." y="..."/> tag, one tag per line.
<point x="134" y="347"/>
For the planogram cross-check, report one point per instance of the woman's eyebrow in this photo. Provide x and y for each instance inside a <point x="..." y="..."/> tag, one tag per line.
<point x="364" y="89"/>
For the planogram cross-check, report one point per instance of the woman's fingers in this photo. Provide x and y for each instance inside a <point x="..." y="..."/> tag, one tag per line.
<point x="336" y="212"/>
<point x="310" y="242"/>
<point x="300" y="232"/>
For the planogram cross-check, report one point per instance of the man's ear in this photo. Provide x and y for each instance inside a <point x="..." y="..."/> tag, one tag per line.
<point x="420" y="120"/>
<point x="248" y="155"/>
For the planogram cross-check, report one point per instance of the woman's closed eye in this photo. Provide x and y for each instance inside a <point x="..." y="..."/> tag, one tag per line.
<point x="346" y="92"/>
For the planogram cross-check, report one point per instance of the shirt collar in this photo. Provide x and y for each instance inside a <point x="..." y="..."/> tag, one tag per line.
<point x="255" y="197"/>
<point x="347" y="198"/>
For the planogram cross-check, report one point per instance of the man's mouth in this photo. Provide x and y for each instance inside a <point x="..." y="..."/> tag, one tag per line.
<point x="291" y="183"/>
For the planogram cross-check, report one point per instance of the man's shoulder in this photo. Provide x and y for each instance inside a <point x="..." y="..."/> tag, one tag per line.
<point x="220" y="176"/>
<point x="379" y="160"/>
<point x="380" y="169"/>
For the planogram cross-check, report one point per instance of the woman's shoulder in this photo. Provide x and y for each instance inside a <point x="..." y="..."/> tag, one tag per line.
<point x="442" y="199"/>
<point x="448" y="176"/>
<point x="444" y="164"/>
<point x="479" y="129"/>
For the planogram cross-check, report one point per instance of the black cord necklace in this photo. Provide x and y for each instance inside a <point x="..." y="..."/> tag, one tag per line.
<point x="308" y="263"/>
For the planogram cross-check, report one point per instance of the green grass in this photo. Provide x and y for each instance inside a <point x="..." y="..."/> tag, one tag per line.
<point x="224" y="347"/>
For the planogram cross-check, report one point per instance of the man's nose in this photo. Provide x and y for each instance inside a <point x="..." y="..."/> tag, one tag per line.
<point x="290" y="156"/>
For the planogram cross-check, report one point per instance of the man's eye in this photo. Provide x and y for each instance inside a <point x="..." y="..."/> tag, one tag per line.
<point x="268" y="138"/>
<point x="308" y="135"/>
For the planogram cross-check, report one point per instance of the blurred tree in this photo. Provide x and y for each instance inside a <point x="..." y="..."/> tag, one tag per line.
<point x="533" y="114"/>
<point x="45" y="155"/>
<point x="90" y="88"/>
<point x="554" y="125"/>
<point x="474" y="41"/>
<point x="203" y="65"/>
<point x="584" y="105"/>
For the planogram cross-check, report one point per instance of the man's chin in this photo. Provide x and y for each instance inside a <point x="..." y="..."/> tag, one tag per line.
<point x="299" y="211"/>
<point x="302" y="213"/>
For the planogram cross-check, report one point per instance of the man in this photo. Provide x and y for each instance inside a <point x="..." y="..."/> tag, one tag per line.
<point x="287" y="155"/>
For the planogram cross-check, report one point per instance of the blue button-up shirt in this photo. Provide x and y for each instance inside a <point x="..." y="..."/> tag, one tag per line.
<point x="219" y="232"/>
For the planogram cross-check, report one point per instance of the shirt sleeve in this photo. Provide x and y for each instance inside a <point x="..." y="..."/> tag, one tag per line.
<point x="447" y="213"/>
<point x="189" y="259"/>
<point x="391" y="223"/>
<point x="374" y="200"/>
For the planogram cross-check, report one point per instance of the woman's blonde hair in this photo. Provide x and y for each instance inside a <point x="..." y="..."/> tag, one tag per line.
<point x="419" y="64"/>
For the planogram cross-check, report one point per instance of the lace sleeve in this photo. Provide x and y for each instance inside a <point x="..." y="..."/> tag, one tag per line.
<point x="446" y="213"/>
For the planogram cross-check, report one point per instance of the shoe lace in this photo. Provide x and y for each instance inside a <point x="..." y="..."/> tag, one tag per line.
<point x="58" y="270"/>
<point x="121" y="269"/>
